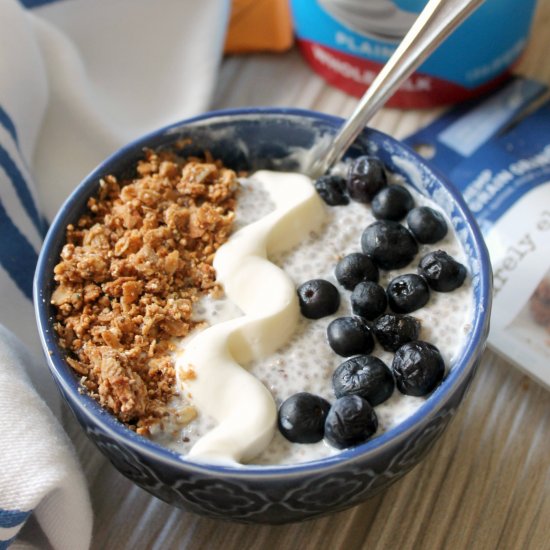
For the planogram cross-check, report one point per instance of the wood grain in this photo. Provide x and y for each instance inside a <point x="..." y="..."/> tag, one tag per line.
<point x="485" y="485"/>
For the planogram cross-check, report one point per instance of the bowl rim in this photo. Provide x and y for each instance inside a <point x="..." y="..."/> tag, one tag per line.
<point x="66" y="379"/>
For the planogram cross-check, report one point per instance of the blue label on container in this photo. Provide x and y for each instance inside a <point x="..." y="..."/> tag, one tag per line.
<point x="478" y="51"/>
<point x="410" y="5"/>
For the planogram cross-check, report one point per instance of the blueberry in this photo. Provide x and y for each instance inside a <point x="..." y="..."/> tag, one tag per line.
<point x="407" y="293"/>
<point x="442" y="272"/>
<point x="349" y="336"/>
<point x="302" y="417"/>
<point x="418" y="368"/>
<point x="354" y="268"/>
<point x="392" y="331"/>
<point x="332" y="189"/>
<point x="392" y="203"/>
<point x="365" y="376"/>
<point x="318" y="298"/>
<point x="350" y="421"/>
<point x="389" y="244"/>
<point x="366" y="176"/>
<point x="369" y="300"/>
<point x="426" y="224"/>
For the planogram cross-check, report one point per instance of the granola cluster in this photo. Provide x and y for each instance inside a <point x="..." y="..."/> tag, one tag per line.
<point x="129" y="274"/>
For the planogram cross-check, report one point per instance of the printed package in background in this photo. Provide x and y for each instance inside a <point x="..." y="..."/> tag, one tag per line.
<point x="499" y="158"/>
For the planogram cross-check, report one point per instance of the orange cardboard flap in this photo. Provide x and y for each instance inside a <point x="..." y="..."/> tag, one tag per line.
<point x="259" y="25"/>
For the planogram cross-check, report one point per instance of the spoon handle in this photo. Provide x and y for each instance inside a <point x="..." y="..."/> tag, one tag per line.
<point x="436" y="21"/>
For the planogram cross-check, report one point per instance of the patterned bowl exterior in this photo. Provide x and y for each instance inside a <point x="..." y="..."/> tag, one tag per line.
<point x="254" y="139"/>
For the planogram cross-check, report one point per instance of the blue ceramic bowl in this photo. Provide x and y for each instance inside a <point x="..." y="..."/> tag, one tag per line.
<point x="253" y="139"/>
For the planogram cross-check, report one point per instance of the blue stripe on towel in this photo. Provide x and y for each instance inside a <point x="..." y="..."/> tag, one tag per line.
<point x="22" y="190"/>
<point x="4" y="544"/>
<point x="10" y="523"/>
<point x="36" y="3"/>
<point x="12" y="518"/>
<point x="8" y="124"/>
<point x="17" y="256"/>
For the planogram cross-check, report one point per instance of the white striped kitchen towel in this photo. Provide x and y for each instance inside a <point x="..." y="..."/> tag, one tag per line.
<point x="78" y="79"/>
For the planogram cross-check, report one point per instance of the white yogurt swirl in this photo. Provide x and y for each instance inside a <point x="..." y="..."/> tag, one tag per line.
<point x="243" y="409"/>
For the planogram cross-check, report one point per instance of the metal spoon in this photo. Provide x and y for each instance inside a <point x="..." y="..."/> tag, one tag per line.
<point x="436" y="21"/>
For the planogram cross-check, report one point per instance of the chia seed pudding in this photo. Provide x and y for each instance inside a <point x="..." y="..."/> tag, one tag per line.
<point x="306" y="362"/>
<point x="208" y="314"/>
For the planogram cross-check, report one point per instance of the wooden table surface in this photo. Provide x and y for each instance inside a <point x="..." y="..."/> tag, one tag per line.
<point x="486" y="483"/>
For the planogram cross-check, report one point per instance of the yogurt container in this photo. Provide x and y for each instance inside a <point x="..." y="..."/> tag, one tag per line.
<point x="348" y="41"/>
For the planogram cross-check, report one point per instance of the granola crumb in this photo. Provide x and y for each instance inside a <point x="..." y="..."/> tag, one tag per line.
<point x="131" y="269"/>
<point x="189" y="373"/>
<point x="186" y="415"/>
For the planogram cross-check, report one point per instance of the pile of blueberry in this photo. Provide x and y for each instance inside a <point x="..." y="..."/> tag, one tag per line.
<point x="363" y="381"/>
